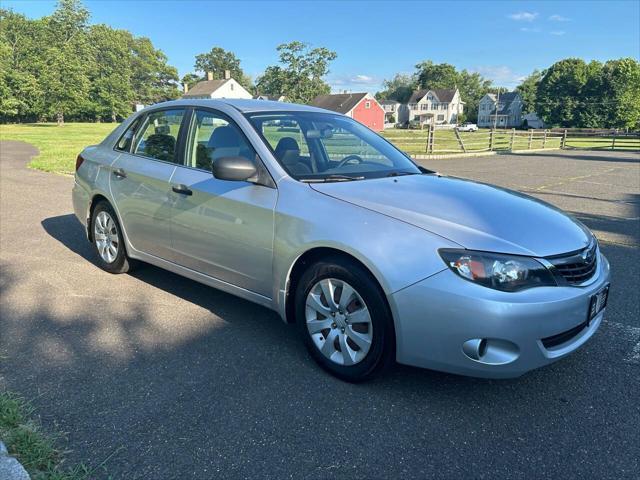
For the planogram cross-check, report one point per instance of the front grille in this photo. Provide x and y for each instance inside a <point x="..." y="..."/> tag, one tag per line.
<point x="577" y="268"/>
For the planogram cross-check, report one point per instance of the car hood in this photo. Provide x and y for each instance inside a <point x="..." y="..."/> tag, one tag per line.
<point x="474" y="215"/>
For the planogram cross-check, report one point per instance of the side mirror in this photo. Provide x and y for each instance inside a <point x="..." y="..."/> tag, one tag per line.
<point x="234" y="169"/>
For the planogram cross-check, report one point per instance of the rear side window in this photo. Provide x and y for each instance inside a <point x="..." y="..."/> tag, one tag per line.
<point x="158" y="136"/>
<point x="124" y="144"/>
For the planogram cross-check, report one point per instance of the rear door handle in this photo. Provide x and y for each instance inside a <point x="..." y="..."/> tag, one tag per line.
<point x="182" y="189"/>
<point x="119" y="173"/>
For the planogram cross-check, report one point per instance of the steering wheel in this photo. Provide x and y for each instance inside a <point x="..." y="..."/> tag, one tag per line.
<point x="350" y="158"/>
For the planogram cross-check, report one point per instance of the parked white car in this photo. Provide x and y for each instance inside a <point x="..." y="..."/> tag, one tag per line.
<point x="467" y="127"/>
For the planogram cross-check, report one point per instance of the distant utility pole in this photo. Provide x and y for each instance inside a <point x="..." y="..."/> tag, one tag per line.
<point x="495" y="118"/>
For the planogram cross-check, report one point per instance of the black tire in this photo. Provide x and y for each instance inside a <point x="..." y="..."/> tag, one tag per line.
<point x="122" y="263"/>
<point x="381" y="353"/>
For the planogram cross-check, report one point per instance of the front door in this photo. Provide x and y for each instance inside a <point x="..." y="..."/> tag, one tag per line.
<point x="221" y="228"/>
<point x="140" y="181"/>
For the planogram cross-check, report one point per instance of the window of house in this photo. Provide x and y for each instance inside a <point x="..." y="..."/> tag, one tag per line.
<point x="231" y="87"/>
<point x="424" y="106"/>
<point x="159" y="135"/>
<point x="440" y="117"/>
<point x="213" y="137"/>
<point x="367" y="104"/>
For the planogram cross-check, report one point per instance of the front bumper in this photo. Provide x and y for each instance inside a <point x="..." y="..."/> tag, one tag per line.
<point x="435" y="317"/>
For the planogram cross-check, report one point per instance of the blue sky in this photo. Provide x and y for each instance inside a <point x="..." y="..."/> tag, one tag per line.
<point x="503" y="40"/>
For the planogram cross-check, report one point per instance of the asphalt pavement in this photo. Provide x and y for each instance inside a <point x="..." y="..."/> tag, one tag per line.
<point x="160" y="377"/>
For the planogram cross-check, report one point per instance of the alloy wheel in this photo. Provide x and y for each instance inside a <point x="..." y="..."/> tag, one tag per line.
<point x="105" y="233"/>
<point x="338" y="321"/>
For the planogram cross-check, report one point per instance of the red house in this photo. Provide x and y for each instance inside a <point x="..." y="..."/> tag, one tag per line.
<point x="359" y="106"/>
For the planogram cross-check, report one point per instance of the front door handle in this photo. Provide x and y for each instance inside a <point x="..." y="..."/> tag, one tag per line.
<point x="119" y="173"/>
<point x="182" y="189"/>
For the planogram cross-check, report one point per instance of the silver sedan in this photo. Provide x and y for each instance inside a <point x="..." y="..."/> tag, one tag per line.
<point x="375" y="259"/>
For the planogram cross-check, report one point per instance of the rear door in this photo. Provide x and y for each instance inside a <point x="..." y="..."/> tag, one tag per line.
<point x="223" y="229"/>
<point x="140" y="180"/>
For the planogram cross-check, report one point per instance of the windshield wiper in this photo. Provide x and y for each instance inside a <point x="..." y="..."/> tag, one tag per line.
<point x="331" y="178"/>
<point x="400" y="174"/>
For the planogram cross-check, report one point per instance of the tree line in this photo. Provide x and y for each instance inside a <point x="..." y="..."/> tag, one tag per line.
<point x="570" y="93"/>
<point x="59" y="67"/>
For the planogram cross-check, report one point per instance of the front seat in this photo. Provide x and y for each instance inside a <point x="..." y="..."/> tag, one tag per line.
<point x="287" y="152"/>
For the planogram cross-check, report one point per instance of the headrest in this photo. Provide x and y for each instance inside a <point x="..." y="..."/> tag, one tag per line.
<point x="286" y="144"/>
<point x="224" y="137"/>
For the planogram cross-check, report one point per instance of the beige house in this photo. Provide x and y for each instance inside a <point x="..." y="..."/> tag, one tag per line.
<point x="432" y="107"/>
<point x="210" y="88"/>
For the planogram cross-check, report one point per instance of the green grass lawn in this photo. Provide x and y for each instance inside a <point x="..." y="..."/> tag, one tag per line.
<point x="59" y="145"/>
<point x="35" y="450"/>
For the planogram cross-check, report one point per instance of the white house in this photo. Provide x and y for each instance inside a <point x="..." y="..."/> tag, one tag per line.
<point x="531" y="120"/>
<point x="509" y="110"/>
<point x="432" y="107"/>
<point x="210" y="88"/>
<point x="391" y="108"/>
<point x="273" y="98"/>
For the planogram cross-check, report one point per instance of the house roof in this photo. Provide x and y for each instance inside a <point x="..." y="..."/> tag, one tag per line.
<point x="339" y="102"/>
<point x="506" y="99"/>
<point x="444" y="95"/>
<point x="205" y="87"/>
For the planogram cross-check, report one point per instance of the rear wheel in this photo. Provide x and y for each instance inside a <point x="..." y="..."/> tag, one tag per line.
<point x="108" y="240"/>
<point x="344" y="319"/>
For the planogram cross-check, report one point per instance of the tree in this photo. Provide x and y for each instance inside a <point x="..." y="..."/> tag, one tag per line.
<point x="190" y="79"/>
<point x="217" y="61"/>
<point x="399" y="88"/>
<point x="300" y="77"/>
<point x="558" y="97"/>
<point x="621" y="79"/>
<point x="64" y="81"/>
<point x="152" y="79"/>
<point x="528" y="89"/>
<point x="473" y="87"/>
<point x="431" y="75"/>
<point x="111" y="94"/>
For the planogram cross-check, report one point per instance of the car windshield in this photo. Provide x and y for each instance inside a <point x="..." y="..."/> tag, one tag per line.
<point x="324" y="147"/>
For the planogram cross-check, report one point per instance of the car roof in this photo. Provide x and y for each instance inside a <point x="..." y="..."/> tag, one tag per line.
<point x="243" y="105"/>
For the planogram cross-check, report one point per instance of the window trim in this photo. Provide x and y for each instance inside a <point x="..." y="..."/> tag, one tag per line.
<point x="142" y="117"/>
<point x="265" y="177"/>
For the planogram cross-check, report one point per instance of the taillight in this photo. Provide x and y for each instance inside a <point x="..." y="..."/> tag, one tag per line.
<point x="79" y="161"/>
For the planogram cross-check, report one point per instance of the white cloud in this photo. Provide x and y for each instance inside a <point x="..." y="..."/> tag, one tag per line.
<point x="524" y="16"/>
<point x="355" y="83"/>
<point x="529" y="30"/>
<point x="558" y="33"/>
<point x="500" y="75"/>
<point x="559" y="18"/>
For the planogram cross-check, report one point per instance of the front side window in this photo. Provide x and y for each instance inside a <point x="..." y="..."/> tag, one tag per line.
<point x="326" y="147"/>
<point x="158" y="135"/>
<point x="213" y="136"/>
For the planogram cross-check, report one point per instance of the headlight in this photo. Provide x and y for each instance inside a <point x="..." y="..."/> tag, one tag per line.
<point x="508" y="273"/>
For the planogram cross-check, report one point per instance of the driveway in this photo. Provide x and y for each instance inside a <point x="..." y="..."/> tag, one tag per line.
<point x="165" y="378"/>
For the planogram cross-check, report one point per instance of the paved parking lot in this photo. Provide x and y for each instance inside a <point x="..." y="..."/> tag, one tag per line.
<point x="167" y="378"/>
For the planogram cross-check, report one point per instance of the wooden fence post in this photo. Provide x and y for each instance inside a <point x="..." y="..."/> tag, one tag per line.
<point x="613" y="143"/>
<point x="491" y="139"/>
<point x="530" y="139"/>
<point x="544" y="139"/>
<point x="460" y="142"/>
<point x="513" y="138"/>
<point x="564" y="139"/>
<point x="428" y="140"/>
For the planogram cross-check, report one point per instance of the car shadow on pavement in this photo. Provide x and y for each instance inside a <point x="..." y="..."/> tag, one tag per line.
<point x="184" y="378"/>
<point x="589" y="155"/>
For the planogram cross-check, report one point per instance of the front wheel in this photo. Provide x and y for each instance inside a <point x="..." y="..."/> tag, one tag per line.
<point x="108" y="240"/>
<point x="344" y="320"/>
